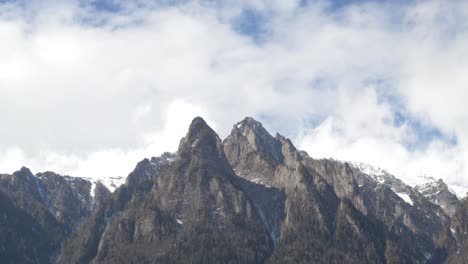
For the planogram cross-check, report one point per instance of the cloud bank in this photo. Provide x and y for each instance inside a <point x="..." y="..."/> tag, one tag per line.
<point x="88" y="88"/>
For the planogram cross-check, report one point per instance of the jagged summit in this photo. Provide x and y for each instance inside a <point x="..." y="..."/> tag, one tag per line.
<point x="251" y="125"/>
<point x="199" y="130"/>
<point x="197" y="123"/>
<point x="439" y="193"/>
<point x="378" y="174"/>
<point x="252" y="139"/>
<point x="200" y="142"/>
<point x="24" y="171"/>
<point x="248" y="121"/>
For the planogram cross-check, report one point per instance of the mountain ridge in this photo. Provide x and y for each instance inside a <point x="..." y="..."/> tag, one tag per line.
<point x="250" y="198"/>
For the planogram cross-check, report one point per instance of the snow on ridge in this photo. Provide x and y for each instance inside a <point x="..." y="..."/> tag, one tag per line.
<point x="369" y="169"/>
<point x="111" y="183"/>
<point x="458" y="190"/>
<point x="422" y="182"/>
<point x="114" y="182"/>
<point x="376" y="173"/>
<point x="425" y="182"/>
<point x="384" y="177"/>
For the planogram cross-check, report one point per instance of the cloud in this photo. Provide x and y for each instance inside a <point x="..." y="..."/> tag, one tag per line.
<point x="89" y="89"/>
<point x="110" y="162"/>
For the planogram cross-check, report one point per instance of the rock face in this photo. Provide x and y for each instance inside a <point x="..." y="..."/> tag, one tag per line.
<point x="322" y="203"/>
<point x="456" y="238"/>
<point x="252" y="198"/>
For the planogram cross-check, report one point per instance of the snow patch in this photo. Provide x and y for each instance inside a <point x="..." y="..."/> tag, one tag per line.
<point x="93" y="187"/>
<point x="427" y="255"/>
<point x="405" y="198"/>
<point x="259" y="181"/>
<point x="454" y="235"/>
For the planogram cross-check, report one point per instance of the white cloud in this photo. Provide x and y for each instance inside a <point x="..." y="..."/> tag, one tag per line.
<point x="90" y="93"/>
<point x="113" y="161"/>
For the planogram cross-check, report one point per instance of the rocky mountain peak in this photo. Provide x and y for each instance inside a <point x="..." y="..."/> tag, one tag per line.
<point x="200" y="140"/>
<point x="250" y="123"/>
<point x="254" y="132"/>
<point x="23" y="172"/>
<point x="197" y="125"/>
<point x="24" y="180"/>
<point x="250" y="140"/>
<point x="439" y="193"/>
<point x="378" y="174"/>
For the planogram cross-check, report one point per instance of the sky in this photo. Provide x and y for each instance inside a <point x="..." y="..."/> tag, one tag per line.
<point x="89" y="88"/>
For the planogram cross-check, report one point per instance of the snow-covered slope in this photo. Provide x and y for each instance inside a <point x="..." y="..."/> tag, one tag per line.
<point x="383" y="177"/>
<point x="378" y="174"/>
<point x="435" y="190"/>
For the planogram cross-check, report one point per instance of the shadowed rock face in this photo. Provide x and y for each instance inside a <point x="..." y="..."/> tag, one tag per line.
<point x="252" y="198"/>
<point x="38" y="213"/>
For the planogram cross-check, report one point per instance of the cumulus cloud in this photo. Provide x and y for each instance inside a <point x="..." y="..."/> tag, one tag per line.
<point x="88" y="88"/>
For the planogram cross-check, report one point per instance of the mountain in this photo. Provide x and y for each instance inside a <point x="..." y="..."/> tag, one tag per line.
<point x="250" y="198"/>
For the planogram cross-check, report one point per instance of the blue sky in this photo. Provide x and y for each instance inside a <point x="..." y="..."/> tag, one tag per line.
<point x="111" y="82"/>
